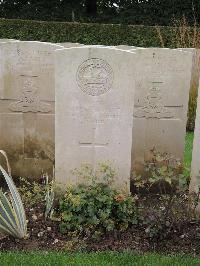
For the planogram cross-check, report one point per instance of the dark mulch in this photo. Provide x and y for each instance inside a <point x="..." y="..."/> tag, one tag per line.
<point x="44" y="235"/>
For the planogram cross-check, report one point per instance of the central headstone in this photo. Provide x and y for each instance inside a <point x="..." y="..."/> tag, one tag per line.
<point x="70" y="44"/>
<point x="94" y="108"/>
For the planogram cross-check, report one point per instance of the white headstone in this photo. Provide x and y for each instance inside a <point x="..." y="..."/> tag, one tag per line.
<point x="27" y="105"/>
<point x="161" y="102"/>
<point x="8" y="40"/>
<point x="94" y="108"/>
<point x="126" y="47"/>
<point x="195" y="167"/>
<point x="195" y="68"/>
<point x="70" y="44"/>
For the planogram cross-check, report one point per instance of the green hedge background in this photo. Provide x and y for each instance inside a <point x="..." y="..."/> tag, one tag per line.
<point x="107" y="34"/>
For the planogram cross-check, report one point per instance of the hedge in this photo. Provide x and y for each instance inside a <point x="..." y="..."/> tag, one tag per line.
<point x="107" y="34"/>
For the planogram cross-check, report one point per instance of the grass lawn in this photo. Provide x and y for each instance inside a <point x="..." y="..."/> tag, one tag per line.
<point x="108" y="258"/>
<point x="188" y="152"/>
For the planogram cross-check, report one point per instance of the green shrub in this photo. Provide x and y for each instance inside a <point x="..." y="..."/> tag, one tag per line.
<point x="163" y="200"/>
<point x="162" y="174"/>
<point x="96" y="208"/>
<point x="86" y="33"/>
<point x="32" y="193"/>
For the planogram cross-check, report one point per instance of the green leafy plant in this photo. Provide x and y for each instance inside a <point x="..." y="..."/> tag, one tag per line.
<point x="32" y="193"/>
<point x="164" y="203"/>
<point x="49" y="197"/>
<point x="162" y="173"/>
<point x="12" y="214"/>
<point x="96" y="208"/>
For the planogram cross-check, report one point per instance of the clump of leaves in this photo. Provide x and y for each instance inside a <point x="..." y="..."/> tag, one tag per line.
<point x="164" y="201"/>
<point x="75" y="245"/>
<point x="97" y="207"/>
<point x="162" y="172"/>
<point x="32" y="192"/>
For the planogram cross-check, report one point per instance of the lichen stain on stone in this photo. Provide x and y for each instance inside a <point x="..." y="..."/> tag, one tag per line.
<point x="39" y="148"/>
<point x="32" y="162"/>
<point x="8" y="81"/>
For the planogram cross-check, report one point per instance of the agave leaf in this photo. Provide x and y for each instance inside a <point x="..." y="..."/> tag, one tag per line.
<point x="5" y="230"/>
<point x="49" y="203"/>
<point x="17" y="212"/>
<point x="7" y="223"/>
<point x="8" y="207"/>
<point x="7" y="226"/>
<point x="50" y="194"/>
<point x="7" y="162"/>
<point x="16" y="201"/>
<point x="6" y="211"/>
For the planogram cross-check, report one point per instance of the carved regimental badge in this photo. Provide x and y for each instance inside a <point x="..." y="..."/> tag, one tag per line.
<point x="154" y="107"/>
<point x="29" y="101"/>
<point x="95" y="77"/>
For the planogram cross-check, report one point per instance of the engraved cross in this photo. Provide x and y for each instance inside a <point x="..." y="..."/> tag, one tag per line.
<point x="93" y="143"/>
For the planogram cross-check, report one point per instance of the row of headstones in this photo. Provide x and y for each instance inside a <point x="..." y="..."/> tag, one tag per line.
<point x="112" y="103"/>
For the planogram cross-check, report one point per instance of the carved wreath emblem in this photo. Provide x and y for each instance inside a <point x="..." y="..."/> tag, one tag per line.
<point x="95" y="76"/>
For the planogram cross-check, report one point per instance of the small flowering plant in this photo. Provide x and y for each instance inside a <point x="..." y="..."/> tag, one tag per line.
<point x="96" y="208"/>
<point x="120" y="198"/>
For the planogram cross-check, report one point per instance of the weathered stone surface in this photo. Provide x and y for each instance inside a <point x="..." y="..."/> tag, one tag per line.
<point x="94" y="107"/>
<point x="27" y="105"/>
<point x="195" y="70"/>
<point x="194" y="85"/>
<point x="195" y="167"/>
<point x="126" y="47"/>
<point x="161" y="101"/>
<point x="8" y="40"/>
<point x="70" y="44"/>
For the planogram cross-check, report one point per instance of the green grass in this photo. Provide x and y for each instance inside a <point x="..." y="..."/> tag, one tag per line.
<point x="188" y="152"/>
<point x="104" y="258"/>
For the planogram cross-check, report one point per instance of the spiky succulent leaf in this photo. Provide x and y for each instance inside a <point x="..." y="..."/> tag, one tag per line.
<point x="49" y="197"/>
<point x="8" y="221"/>
<point x="12" y="215"/>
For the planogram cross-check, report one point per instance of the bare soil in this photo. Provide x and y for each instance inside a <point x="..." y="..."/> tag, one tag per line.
<point x="45" y="235"/>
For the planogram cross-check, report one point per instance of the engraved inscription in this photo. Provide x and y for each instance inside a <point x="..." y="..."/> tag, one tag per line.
<point x="90" y="113"/>
<point x="95" y="77"/>
<point x="21" y="58"/>
<point x="30" y="101"/>
<point x="154" y="107"/>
